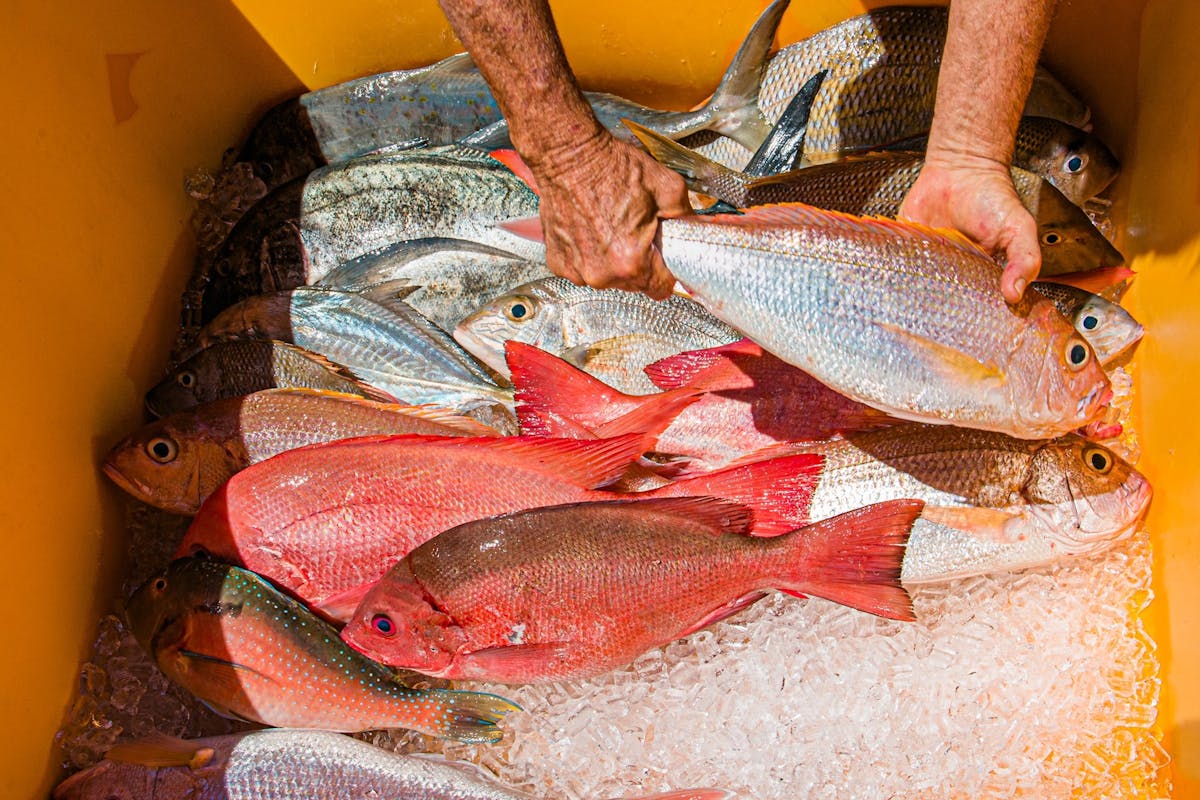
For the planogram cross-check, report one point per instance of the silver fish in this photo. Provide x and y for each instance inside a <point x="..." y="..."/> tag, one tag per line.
<point x="1108" y="328"/>
<point x="610" y="334"/>
<point x="444" y="279"/>
<point x="882" y="80"/>
<point x="396" y="350"/>
<point x="305" y="229"/>
<point x="992" y="502"/>
<point x="282" y="764"/>
<point x="450" y="100"/>
<point x="900" y="317"/>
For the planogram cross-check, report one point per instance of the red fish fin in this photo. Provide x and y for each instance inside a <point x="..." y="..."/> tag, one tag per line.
<point x="512" y="159"/>
<point x="161" y="750"/>
<point x="779" y="490"/>
<point x="340" y="607"/>
<point x="683" y="369"/>
<point x="727" y="610"/>
<point x="221" y="670"/>
<point x="1094" y="280"/>
<point x="556" y="399"/>
<point x="527" y="228"/>
<point x="514" y="663"/>
<point x="855" y="558"/>
<point x="586" y="463"/>
<point x="720" y="515"/>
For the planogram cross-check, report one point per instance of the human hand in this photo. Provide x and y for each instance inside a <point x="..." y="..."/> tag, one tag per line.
<point x="975" y="195"/>
<point x="601" y="200"/>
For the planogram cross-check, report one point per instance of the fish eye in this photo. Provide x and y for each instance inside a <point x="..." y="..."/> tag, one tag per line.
<point x="1098" y="459"/>
<point x="1051" y="238"/>
<point x="160" y="585"/>
<point x="186" y="379"/>
<point x="266" y="170"/>
<point x="222" y="267"/>
<point x="162" y="449"/>
<point x="1074" y="163"/>
<point x="1077" y="353"/>
<point x="382" y="624"/>
<point x="1089" y="321"/>
<point x="518" y="309"/>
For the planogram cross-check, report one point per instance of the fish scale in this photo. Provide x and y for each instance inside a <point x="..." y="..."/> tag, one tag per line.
<point x="847" y="300"/>
<point x="242" y="646"/>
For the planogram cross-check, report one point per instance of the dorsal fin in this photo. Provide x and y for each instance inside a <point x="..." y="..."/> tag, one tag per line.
<point x="682" y="369"/>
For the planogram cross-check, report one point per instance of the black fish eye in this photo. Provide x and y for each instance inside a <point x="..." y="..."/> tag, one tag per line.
<point x="1077" y="353"/>
<point x="222" y="267"/>
<point x="1074" y="164"/>
<point x="162" y="449"/>
<point x="1098" y="459"/>
<point x="160" y="585"/>
<point x="186" y="379"/>
<point x="382" y="624"/>
<point x="1090" y="322"/>
<point x="517" y="311"/>
<point x="1051" y="238"/>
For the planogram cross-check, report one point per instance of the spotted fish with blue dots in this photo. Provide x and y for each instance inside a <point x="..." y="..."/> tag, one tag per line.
<point x="248" y="651"/>
<point x="289" y="765"/>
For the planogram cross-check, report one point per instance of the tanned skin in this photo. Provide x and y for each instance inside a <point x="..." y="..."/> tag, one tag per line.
<point x="601" y="199"/>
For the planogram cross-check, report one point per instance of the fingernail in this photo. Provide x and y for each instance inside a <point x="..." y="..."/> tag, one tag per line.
<point x="1019" y="285"/>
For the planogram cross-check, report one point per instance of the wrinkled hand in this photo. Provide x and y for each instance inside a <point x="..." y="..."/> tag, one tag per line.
<point x="601" y="201"/>
<point x="975" y="196"/>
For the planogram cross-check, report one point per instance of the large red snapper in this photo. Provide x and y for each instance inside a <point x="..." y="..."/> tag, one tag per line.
<point x="178" y="461"/>
<point x="567" y="592"/>
<point x="244" y="648"/>
<point x="327" y="521"/>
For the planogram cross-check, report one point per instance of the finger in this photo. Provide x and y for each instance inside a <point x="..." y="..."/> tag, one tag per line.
<point x="1024" y="258"/>
<point x="671" y="196"/>
<point x="661" y="279"/>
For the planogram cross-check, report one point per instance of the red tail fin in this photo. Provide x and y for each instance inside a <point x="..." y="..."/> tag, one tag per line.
<point x="512" y="159"/>
<point x="685" y="369"/>
<point x="556" y="399"/>
<point x="855" y="559"/>
<point x="779" y="490"/>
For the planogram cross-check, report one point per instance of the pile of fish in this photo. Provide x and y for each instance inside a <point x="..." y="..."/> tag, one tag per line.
<point x="408" y="448"/>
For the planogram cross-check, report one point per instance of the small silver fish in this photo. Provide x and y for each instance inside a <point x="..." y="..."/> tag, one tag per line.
<point x="281" y="764"/>
<point x="608" y="333"/>
<point x="1108" y="328"/>
<point x="443" y="279"/>
<point x="394" y="349"/>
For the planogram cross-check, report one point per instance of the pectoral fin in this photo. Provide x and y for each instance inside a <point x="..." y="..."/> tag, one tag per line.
<point x="951" y="363"/>
<point x="515" y="662"/>
<point x="162" y="751"/>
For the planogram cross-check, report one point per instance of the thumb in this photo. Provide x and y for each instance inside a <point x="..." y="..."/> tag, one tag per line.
<point x="1023" y="255"/>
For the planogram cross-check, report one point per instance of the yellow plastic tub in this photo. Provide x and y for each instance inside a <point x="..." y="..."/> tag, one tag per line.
<point x="110" y="105"/>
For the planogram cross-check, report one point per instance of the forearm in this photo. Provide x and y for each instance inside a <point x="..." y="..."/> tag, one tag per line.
<point x="516" y="47"/>
<point x="992" y="48"/>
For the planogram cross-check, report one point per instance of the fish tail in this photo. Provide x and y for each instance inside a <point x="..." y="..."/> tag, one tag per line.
<point x="555" y="398"/>
<point x="701" y="174"/>
<point x="783" y="149"/>
<point x="855" y="559"/>
<point x="472" y="716"/>
<point x="733" y="108"/>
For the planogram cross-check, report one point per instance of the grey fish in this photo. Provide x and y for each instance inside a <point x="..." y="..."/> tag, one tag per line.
<point x="1109" y="328"/>
<point x="992" y="502"/>
<point x="610" y="334"/>
<point x="236" y="368"/>
<point x="881" y="85"/>
<point x="876" y="185"/>
<point x="306" y="228"/>
<point x="283" y="764"/>
<point x="399" y="351"/>
<point x="444" y="279"/>
<point x="1075" y="161"/>
<point x="450" y="100"/>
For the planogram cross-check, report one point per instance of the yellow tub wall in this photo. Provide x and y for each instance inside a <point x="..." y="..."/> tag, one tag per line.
<point x="97" y="250"/>
<point x="93" y="202"/>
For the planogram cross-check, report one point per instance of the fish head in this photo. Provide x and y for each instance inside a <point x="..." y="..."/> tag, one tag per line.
<point x="211" y="535"/>
<point x="1069" y="240"/>
<point x="193" y="382"/>
<point x="1075" y="161"/>
<point x="1048" y="97"/>
<point x="157" y="611"/>
<point x="1064" y="387"/>
<point x="531" y="314"/>
<point x="1085" y="495"/>
<point x="111" y="780"/>
<point x="1108" y="327"/>
<point x="264" y="316"/>
<point x="398" y="624"/>
<point x="171" y="465"/>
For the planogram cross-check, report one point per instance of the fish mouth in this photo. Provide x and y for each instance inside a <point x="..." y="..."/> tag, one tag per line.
<point x="1094" y="401"/>
<point x="130" y="485"/>
<point x="479" y="348"/>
